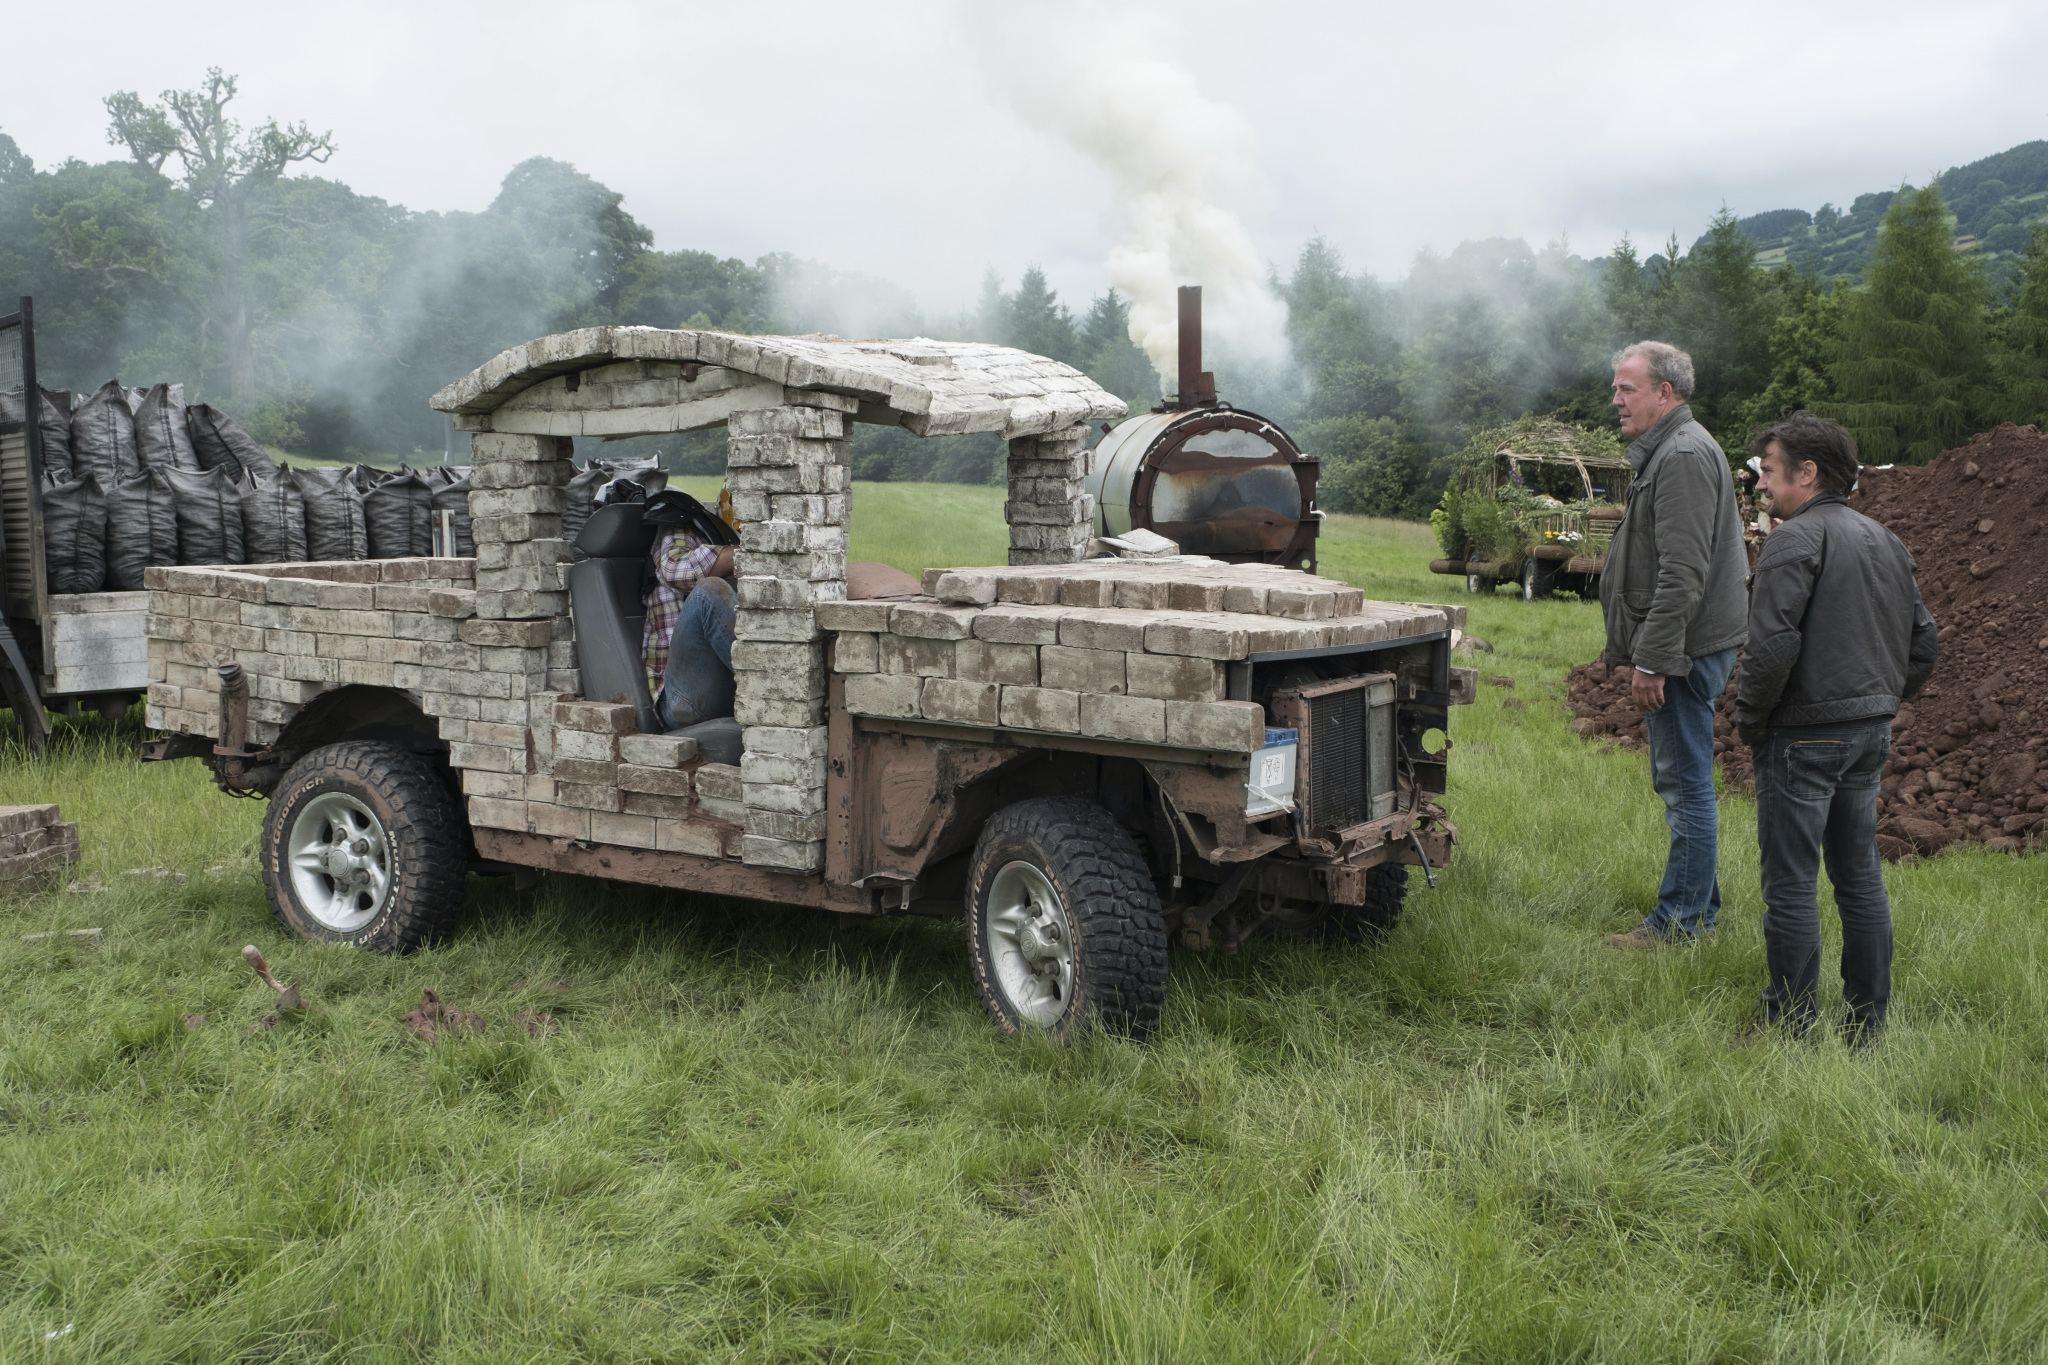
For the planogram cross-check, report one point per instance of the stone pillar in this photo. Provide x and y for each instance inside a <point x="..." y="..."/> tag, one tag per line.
<point x="788" y="472"/>
<point x="1050" y="517"/>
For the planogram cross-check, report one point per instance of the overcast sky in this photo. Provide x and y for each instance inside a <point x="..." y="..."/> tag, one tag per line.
<point x="872" y="136"/>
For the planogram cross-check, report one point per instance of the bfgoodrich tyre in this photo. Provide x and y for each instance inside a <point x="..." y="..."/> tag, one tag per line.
<point x="363" y="844"/>
<point x="1386" y="892"/>
<point x="1063" y="923"/>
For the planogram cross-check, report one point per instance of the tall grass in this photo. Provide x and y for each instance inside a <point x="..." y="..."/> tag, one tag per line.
<point x="761" y="1135"/>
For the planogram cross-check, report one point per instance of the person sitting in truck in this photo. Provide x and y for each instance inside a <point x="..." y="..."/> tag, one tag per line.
<point x="688" y="640"/>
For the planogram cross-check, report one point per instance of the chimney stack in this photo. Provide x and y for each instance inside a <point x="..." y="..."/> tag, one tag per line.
<point x="1197" y="386"/>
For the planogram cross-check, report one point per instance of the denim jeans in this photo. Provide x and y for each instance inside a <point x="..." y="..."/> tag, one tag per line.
<point x="1816" y="797"/>
<point x="1682" y="770"/>
<point x="697" y="684"/>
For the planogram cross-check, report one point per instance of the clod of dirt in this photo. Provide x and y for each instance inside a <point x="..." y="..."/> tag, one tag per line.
<point x="1970" y="754"/>
<point x="83" y="887"/>
<point x="434" y="1019"/>
<point x="537" y="1023"/>
<point x="1513" y="704"/>
<point x="1500" y="680"/>
<point x="1601" y="700"/>
<point x="194" y="1022"/>
<point x="1471" y="644"/>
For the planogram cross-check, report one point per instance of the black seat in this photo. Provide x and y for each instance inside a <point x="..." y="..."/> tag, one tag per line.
<point x="604" y="599"/>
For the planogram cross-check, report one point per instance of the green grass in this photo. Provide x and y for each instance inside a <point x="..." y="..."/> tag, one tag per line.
<point x="762" y="1136"/>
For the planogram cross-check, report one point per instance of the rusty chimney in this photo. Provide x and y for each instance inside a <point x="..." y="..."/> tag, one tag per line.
<point x="1197" y="386"/>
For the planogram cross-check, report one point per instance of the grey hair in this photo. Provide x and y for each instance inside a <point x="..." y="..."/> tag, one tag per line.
<point x="1668" y="364"/>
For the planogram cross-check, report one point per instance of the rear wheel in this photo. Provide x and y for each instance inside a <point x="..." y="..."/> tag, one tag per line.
<point x="1477" y="583"/>
<point x="364" y="844"/>
<point x="1539" y="579"/>
<point x="1064" y="928"/>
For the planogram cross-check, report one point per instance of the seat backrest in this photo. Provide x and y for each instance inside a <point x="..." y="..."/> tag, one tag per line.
<point x="604" y="599"/>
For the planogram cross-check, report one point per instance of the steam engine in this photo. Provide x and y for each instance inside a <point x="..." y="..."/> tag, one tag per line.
<point x="1218" y="480"/>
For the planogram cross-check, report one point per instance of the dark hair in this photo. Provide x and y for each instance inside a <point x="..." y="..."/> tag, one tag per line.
<point x="1806" y="438"/>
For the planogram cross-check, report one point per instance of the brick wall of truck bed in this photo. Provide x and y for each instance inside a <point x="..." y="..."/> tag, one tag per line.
<point x="1134" y="651"/>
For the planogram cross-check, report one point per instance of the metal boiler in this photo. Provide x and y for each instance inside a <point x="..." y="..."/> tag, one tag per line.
<point x="1217" y="480"/>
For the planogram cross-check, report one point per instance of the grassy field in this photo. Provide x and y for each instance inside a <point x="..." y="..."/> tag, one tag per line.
<point x="761" y="1136"/>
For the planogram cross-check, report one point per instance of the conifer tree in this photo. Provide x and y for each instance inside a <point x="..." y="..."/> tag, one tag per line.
<point x="1913" y="338"/>
<point x="2022" y="359"/>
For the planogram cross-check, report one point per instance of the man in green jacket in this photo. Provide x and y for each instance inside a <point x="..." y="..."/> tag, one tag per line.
<point x="1673" y="597"/>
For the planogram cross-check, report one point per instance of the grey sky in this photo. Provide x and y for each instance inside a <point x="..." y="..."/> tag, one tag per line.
<point x="867" y="135"/>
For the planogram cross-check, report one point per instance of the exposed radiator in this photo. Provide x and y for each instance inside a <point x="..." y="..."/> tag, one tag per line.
<point x="1345" y="772"/>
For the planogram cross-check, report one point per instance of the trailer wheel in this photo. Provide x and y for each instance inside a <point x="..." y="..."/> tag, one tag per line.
<point x="1478" y="583"/>
<point x="1386" y="891"/>
<point x="1539" y="579"/>
<point x="1064" y="929"/>
<point x="363" y="844"/>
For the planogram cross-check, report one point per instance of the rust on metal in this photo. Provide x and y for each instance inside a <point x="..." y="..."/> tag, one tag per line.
<point x="678" y="871"/>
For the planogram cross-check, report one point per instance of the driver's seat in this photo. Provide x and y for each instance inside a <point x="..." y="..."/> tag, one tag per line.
<point x="611" y="623"/>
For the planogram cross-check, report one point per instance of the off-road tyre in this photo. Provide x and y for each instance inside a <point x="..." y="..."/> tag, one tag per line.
<point x="424" y="849"/>
<point x="1386" y="891"/>
<point x="1106" y="893"/>
<point x="1539" y="579"/>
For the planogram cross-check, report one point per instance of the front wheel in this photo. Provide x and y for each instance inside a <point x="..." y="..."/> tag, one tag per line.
<point x="1539" y="579"/>
<point x="1064" y="928"/>
<point x="364" y="844"/>
<point x="1476" y="583"/>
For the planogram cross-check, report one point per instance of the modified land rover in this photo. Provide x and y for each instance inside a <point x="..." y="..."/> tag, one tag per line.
<point x="1083" y="757"/>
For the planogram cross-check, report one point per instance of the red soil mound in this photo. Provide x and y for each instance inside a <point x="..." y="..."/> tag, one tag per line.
<point x="1967" y="758"/>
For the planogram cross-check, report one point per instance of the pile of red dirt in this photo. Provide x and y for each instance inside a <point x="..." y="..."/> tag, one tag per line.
<point x="1970" y="754"/>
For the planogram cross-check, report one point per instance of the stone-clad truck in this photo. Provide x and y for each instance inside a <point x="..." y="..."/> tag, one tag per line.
<point x="1082" y="756"/>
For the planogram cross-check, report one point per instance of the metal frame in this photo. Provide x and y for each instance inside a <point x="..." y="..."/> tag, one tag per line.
<point x="21" y="692"/>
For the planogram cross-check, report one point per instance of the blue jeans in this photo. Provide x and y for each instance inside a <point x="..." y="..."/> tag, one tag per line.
<point x="1682" y="771"/>
<point x="1816" y="798"/>
<point x="698" y="684"/>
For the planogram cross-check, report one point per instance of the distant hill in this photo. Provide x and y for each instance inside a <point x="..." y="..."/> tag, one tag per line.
<point x="1993" y="199"/>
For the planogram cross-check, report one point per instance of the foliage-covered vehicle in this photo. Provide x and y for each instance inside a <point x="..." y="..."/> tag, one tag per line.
<point x="1534" y="503"/>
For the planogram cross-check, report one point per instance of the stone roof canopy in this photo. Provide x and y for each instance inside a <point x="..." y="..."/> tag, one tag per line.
<point x="933" y="388"/>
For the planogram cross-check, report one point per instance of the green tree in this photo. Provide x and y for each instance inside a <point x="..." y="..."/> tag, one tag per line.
<point x="225" y="173"/>
<point x="1719" y="306"/>
<point x="1913" y="338"/>
<point x="1111" y="358"/>
<point x="1806" y="339"/>
<point x="2021" y="359"/>
<point x="563" y="210"/>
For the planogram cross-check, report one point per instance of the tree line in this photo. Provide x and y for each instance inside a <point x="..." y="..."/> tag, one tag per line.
<point x="210" y="253"/>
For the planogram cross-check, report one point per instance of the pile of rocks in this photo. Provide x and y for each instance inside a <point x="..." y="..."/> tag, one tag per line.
<point x="35" y="840"/>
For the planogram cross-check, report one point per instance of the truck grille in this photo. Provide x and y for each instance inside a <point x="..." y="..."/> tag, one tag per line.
<point x="1347" y="735"/>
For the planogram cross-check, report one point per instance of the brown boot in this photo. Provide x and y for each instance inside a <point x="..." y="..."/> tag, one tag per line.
<point x="1642" y="938"/>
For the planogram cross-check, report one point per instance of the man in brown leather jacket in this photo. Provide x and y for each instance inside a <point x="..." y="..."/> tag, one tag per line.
<point x="1838" y="637"/>
<point x="1672" y="595"/>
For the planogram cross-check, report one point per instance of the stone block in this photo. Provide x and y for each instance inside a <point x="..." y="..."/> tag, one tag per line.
<point x="1217" y="636"/>
<point x="1184" y="594"/>
<point x="503" y="474"/>
<point x="454" y="603"/>
<point x="855" y="652"/>
<point x="413" y="626"/>
<point x="780" y="825"/>
<point x="1028" y="588"/>
<point x="489" y="447"/>
<point x="983" y="661"/>
<point x="622" y="830"/>
<point x="811" y="424"/>
<point x="511" y="786"/>
<point x="594" y="771"/>
<point x="657" y="751"/>
<point x="558" y="821"/>
<point x="1019" y="624"/>
<point x="787" y="741"/>
<point x="1041" y="708"/>
<point x="884" y="694"/>
<point x="787" y="855"/>
<point x="974" y="587"/>
<point x="925" y="658"/>
<point x="752" y="711"/>
<point x="776" y="625"/>
<point x="346" y="596"/>
<point x="1229" y="726"/>
<point x="689" y="836"/>
<point x="780" y="685"/>
<point x="488" y="812"/>
<point x="1301" y="604"/>
<point x="869" y="617"/>
<point x="403" y="597"/>
<point x="1141" y="720"/>
<point x="535" y="497"/>
<point x="718" y="809"/>
<point x="493" y="758"/>
<point x="1082" y="670"/>
<point x="588" y="796"/>
<point x="516" y="526"/>
<point x="1095" y="629"/>
<point x="631" y="777"/>
<point x="597" y="717"/>
<point x="963" y="703"/>
<point x="1248" y="598"/>
<point x="931" y="622"/>
<point x="1142" y="594"/>
<point x="1173" y="677"/>
<point x="521" y="605"/>
<point x="1088" y="590"/>
<point x="520" y="578"/>
<point x="718" y="782"/>
<point x="660" y="807"/>
<point x="777" y="655"/>
<point x="798" y="770"/>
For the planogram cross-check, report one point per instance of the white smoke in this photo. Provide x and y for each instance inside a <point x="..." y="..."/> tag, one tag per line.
<point x="1092" y="75"/>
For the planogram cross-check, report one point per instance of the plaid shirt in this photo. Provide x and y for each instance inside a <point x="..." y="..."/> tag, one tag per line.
<point x="680" y="561"/>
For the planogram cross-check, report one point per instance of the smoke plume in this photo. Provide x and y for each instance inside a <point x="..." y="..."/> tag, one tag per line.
<point x="1092" y="74"/>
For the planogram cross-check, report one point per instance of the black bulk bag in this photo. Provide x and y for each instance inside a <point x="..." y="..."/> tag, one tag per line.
<point x="142" y="529"/>
<point x="273" y="519"/>
<point x="209" y="510"/>
<point x="218" y="439"/>
<point x="335" y="526"/>
<point x="74" y="534"/>
<point x="103" y="437"/>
